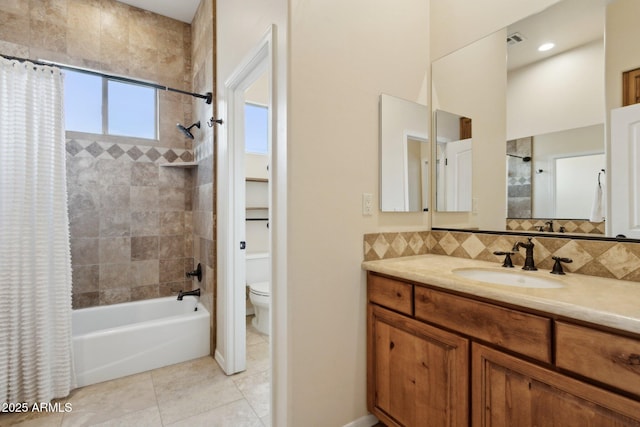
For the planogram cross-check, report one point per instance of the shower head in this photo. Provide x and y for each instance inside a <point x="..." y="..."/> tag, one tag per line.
<point x="524" y="159"/>
<point x="187" y="131"/>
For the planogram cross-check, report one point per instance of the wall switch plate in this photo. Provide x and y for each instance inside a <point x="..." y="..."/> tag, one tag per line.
<point x="367" y="204"/>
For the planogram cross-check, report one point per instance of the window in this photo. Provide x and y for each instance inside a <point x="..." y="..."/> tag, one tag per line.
<point x="256" y="128"/>
<point x="96" y="104"/>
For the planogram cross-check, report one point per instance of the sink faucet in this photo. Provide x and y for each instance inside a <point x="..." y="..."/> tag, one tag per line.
<point x="528" y="259"/>
<point x="550" y="224"/>
<point x="182" y="294"/>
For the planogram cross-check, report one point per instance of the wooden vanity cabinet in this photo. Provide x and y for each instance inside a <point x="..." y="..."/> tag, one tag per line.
<point x="438" y="359"/>
<point x="418" y="375"/>
<point x="508" y="391"/>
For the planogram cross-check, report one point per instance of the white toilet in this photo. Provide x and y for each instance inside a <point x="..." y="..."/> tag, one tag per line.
<point x="259" y="289"/>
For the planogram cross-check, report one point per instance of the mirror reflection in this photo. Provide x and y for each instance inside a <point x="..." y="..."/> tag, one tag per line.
<point x="453" y="162"/>
<point x="555" y="175"/>
<point x="404" y="155"/>
<point x="549" y="112"/>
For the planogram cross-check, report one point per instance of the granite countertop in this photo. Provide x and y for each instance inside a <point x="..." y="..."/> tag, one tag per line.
<point x="607" y="302"/>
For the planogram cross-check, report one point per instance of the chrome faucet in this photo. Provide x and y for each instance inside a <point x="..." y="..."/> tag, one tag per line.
<point x="528" y="259"/>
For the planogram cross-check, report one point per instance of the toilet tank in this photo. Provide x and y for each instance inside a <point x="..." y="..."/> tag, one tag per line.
<point x="257" y="266"/>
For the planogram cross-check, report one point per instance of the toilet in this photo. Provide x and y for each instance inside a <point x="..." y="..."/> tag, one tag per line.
<point x="259" y="289"/>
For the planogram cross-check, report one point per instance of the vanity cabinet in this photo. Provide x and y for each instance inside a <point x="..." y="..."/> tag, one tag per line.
<point x="441" y="359"/>
<point x="508" y="391"/>
<point x="419" y="373"/>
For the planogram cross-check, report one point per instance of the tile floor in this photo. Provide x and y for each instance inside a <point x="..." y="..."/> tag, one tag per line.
<point x="189" y="394"/>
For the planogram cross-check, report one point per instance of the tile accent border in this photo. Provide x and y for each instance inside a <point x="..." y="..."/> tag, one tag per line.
<point x="610" y="259"/>
<point x="570" y="225"/>
<point x="134" y="152"/>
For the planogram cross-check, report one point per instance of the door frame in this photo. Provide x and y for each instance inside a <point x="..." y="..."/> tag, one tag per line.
<point x="230" y="352"/>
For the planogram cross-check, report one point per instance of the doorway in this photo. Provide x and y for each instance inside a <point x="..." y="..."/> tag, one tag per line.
<point x="231" y="307"/>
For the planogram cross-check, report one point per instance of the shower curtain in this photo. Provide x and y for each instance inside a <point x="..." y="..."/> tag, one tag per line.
<point x="35" y="260"/>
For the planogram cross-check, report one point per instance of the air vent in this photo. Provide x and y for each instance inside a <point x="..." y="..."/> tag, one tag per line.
<point x="515" y="38"/>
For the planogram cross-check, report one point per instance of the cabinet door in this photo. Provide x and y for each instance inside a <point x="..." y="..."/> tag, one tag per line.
<point x="417" y="374"/>
<point x="510" y="392"/>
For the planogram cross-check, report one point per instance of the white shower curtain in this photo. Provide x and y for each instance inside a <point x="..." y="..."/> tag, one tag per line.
<point x="35" y="261"/>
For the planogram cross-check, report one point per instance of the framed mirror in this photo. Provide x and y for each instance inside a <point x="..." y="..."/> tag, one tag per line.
<point x="404" y="155"/>
<point x="549" y="108"/>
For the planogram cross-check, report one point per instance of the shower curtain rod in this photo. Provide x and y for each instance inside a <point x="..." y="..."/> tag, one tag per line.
<point x="207" y="97"/>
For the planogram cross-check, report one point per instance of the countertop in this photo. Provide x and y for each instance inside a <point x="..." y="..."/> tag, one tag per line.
<point x="607" y="302"/>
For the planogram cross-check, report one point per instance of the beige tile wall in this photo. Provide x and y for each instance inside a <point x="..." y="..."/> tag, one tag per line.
<point x="131" y="230"/>
<point x="603" y="258"/>
<point x="203" y="78"/>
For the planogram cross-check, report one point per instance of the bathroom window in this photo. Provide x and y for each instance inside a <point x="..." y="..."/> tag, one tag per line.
<point x="256" y="128"/>
<point x="96" y="104"/>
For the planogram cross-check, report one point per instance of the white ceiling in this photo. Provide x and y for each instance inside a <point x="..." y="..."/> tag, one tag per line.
<point x="568" y="24"/>
<point x="183" y="10"/>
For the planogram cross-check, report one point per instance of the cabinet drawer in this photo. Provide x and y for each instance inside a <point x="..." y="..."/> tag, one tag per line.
<point x="605" y="357"/>
<point x="390" y="293"/>
<point x="524" y="333"/>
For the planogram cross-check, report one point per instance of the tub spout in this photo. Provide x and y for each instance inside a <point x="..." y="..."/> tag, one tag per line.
<point x="195" y="292"/>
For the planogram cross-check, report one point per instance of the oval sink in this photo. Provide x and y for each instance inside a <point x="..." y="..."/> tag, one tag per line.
<point x="508" y="278"/>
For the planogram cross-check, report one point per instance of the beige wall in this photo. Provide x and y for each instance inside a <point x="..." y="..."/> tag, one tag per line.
<point x="343" y="55"/>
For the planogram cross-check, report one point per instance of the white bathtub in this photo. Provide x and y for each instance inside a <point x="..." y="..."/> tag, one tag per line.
<point x="122" y="339"/>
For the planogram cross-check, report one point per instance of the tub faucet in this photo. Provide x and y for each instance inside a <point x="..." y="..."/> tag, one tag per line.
<point x="195" y="292"/>
<point x="528" y="259"/>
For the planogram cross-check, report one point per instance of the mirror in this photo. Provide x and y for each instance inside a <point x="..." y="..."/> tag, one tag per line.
<point x="453" y="162"/>
<point x="404" y="155"/>
<point x="550" y="108"/>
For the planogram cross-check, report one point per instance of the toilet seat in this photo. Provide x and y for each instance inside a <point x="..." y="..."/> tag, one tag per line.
<point x="260" y="288"/>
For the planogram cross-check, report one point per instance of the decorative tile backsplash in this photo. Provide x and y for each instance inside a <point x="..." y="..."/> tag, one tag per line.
<point x="569" y="225"/>
<point x="611" y="259"/>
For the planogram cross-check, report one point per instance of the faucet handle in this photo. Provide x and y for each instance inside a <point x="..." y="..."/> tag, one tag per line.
<point x="557" y="267"/>
<point x="507" y="258"/>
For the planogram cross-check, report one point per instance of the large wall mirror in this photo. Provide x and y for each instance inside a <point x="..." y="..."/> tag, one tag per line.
<point x="540" y="133"/>
<point x="404" y="155"/>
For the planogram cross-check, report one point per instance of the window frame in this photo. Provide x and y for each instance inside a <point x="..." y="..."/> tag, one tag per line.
<point x="105" y="108"/>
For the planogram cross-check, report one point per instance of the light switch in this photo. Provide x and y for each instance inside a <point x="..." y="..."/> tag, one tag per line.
<point x="367" y="204"/>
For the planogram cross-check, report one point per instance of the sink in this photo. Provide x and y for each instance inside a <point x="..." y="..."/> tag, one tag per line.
<point x="508" y="278"/>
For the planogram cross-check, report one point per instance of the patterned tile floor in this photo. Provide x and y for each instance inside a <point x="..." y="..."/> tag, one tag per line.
<point x="189" y="394"/>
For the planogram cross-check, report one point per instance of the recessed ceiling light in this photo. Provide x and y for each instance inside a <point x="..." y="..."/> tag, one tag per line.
<point x="546" y="46"/>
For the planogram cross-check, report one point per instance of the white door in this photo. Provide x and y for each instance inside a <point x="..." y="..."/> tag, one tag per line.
<point x="230" y="352"/>
<point x="458" y="175"/>
<point x="624" y="173"/>
<point x="576" y="178"/>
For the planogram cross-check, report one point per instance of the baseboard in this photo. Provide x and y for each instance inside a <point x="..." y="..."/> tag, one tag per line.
<point x="366" y="421"/>
<point x="220" y="359"/>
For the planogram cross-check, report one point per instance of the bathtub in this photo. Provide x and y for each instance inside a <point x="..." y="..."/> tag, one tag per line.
<point x="122" y="339"/>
